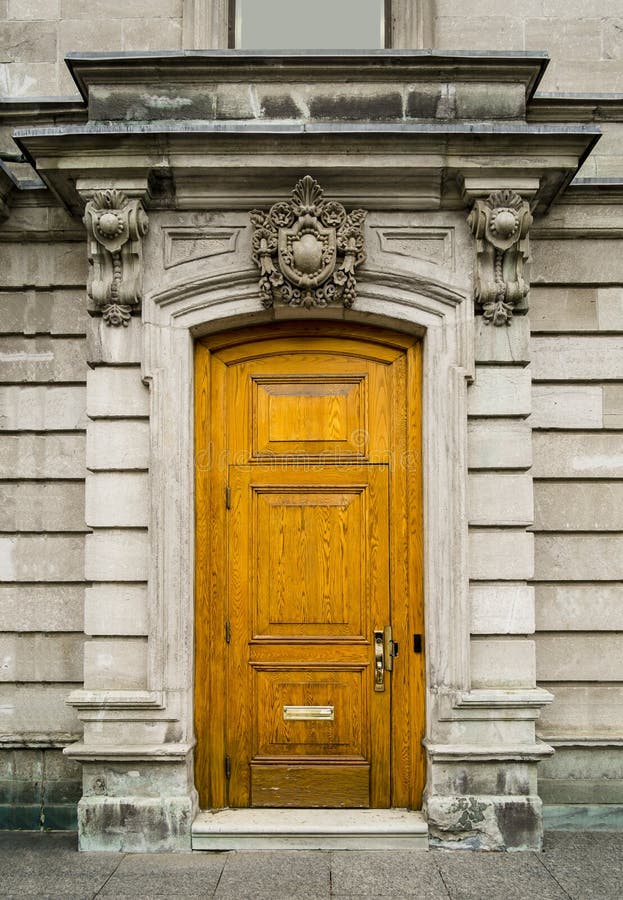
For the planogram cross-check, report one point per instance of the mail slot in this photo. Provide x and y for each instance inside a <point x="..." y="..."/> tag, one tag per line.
<point x="308" y="712"/>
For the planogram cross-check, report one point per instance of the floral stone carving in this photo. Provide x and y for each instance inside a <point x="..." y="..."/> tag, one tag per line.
<point x="500" y="225"/>
<point x="307" y="249"/>
<point x="115" y="226"/>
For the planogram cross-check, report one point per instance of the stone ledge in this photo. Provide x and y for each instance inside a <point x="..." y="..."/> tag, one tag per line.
<point x="310" y="829"/>
<point x="129" y="752"/>
<point x="480" y="752"/>
<point x="117" y="699"/>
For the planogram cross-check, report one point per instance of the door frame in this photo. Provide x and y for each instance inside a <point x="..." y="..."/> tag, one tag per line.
<point x="408" y="689"/>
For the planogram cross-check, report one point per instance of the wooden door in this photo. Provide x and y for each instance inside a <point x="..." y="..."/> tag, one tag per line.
<point x="308" y="546"/>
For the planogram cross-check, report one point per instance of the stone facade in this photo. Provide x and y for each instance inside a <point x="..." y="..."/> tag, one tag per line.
<point x="492" y="230"/>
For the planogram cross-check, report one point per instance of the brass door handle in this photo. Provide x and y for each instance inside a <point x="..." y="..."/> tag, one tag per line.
<point x="385" y="650"/>
<point x="379" y="661"/>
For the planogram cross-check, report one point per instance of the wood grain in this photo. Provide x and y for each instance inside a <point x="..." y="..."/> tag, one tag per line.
<point x="316" y="433"/>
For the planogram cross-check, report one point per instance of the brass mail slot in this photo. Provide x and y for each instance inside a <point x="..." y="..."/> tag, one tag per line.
<point x="308" y="712"/>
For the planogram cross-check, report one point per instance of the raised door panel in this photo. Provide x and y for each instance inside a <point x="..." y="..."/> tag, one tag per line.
<point x="309" y="583"/>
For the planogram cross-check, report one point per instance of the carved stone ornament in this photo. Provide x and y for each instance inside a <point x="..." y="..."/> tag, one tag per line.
<point x="307" y="249"/>
<point x="500" y="225"/>
<point x="115" y="226"/>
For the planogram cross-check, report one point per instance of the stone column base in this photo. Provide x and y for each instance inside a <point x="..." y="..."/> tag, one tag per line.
<point x="138" y="806"/>
<point x="136" y="824"/>
<point x="483" y="822"/>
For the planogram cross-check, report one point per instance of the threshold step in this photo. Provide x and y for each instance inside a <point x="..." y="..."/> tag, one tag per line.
<point x="309" y="829"/>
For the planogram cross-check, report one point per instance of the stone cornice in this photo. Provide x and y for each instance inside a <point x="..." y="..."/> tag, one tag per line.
<point x="88" y="69"/>
<point x="246" y="161"/>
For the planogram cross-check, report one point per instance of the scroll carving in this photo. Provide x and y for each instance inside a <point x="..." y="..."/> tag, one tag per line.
<point x="307" y="249"/>
<point x="500" y="225"/>
<point x="116" y="226"/>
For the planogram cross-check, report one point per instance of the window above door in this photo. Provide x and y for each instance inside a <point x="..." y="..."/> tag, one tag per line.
<point x="309" y="24"/>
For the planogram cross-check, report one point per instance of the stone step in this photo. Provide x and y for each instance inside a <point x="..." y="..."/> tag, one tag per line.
<point x="310" y="829"/>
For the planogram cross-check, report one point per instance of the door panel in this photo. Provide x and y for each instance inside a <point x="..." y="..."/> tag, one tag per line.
<point x="319" y="581"/>
<point x="308" y="541"/>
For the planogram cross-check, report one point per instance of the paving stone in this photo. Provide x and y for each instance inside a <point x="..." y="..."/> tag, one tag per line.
<point x="259" y="875"/>
<point x="516" y="876"/>
<point x="386" y="874"/>
<point x="166" y="875"/>
<point x="587" y="868"/>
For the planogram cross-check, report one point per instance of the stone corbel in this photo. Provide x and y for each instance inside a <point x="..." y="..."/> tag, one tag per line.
<point x="500" y="224"/>
<point x="115" y="226"/>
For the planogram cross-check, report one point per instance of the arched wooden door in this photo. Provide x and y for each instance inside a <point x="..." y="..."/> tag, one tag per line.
<point x="308" y="551"/>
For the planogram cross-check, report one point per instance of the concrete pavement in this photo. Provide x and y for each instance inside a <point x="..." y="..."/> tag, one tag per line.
<point x="573" y="866"/>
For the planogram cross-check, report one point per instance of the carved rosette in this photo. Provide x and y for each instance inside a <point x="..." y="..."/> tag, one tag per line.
<point x="500" y="225"/>
<point x="116" y="226"/>
<point x="307" y="249"/>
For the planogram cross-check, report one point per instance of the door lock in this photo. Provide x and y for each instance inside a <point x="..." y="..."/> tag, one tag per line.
<point x="385" y="651"/>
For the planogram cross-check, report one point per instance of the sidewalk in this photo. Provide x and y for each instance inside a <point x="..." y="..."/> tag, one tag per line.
<point x="581" y="866"/>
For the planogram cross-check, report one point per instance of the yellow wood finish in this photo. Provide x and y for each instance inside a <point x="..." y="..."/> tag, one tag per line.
<point x="309" y="538"/>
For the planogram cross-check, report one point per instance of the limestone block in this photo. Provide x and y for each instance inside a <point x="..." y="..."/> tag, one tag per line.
<point x="498" y="101"/>
<point x="43" y="312"/>
<point x="577" y="455"/>
<point x="578" y="506"/>
<point x="502" y="608"/>
<point x="485" y="822"/>
<point x="152" y="34"/>
<point x="613" y="405"/>
<point x="567" y="406"/>
<point x="453" y="33"/>
<point x="42" y="359"/>
<point x="162" y="824"/>
<point x="500" y="391"/>
<point x="117" y="444"/>
<point x="504" y="664"/>
<point x="579" y="607"/>
<point x="610" y="306"/>
<point x="483" y="778"/>
<point x="114" y="345"/>
<point x="117" y="499"/>
<point x="121" y="555"/>
<point x="34" y="9"/>
<point x="42" y="506"/>
<point x="496" y="499"/>
<point x="96" y="32"/>
<point x="585" y="358"/>
<point x="578" y="39"/>
<point x="42" y="455"/>
<point x="119" y="9"/>
<point x="45" y="266"/>
<point x="41" y="607"/>
<point x="554" y="309"/>
<point x="579" y="557"/>
<point x="499" y="444"/>
<point x="38" y="710"/>
<point x="504" y="555"/>
<point x="116" y="393"/>
<point x="28" y="41"/>
<point x="581" y="260"/>
<point x="35" y="557"/>
<point x="116" y="664"/>
<point x="583" y="711"/>
<point x="25" y="79"/>
<point x="41" y="657"/>
<point x="582" y="775"/>
<point x="115" y="609"/>
<point x="579" y="657"/>
<point x="124" y="780"/>
<point x="510" y="344"/>
<point x="42" y="408"/>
